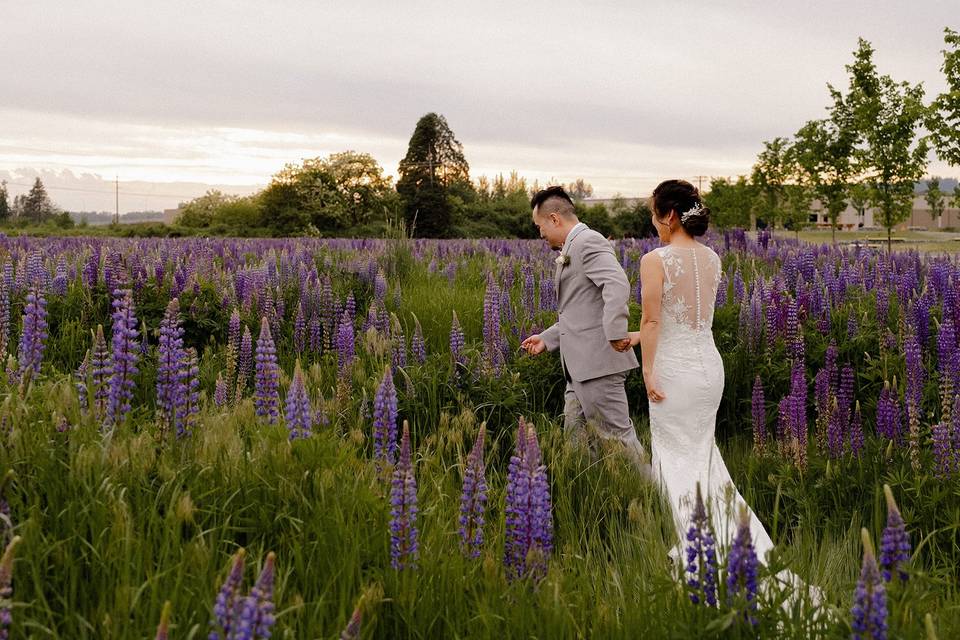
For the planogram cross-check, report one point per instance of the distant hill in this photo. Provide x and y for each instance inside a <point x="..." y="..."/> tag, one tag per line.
<point x="105" y="217"/>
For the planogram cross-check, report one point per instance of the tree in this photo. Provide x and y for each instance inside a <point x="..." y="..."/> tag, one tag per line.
<point x="935" y="200"/>
<point x="580" y="190"/>
<point x="200" y="212"/>
<point x="732" y="203"/>
<point x="360" y="183"/>
<point x="860" y="200"/>
<point x="770" y="175"/>
<point x="36" y="205"/>
<point x="890" y="154"/>
<point x="822" y="155"/>
<point x="434" y="164"/>
<point x="4" y="203"/>
<point x="944" y="120"/>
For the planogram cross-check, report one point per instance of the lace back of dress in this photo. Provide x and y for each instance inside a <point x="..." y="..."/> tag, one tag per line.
<point x="691" y="278"/>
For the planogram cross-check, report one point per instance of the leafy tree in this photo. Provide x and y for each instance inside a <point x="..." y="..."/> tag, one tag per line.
<point x="200" y="212"/>
<point x="860" y="199"/>
<point x="796" y="207"/>
<point x="935" y="200"/>
<point x="890" y="154"/>
<point x="360" y="183"/>
<point x="4" y="202"/>
<point x="822" y="154"/>
<point x="37" y="206"/>
<point x="283" y="207"/>
<point x="434" y="164"/>
<point x="635" y="222"/>
<point x="732" y="203"/>
<point x="770" y="175"/>
<point x="944" y="118"/>
<point x="580" y="190"/>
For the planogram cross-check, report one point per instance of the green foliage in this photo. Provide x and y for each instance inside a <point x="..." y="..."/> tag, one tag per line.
<point x="434" y="165"/>
<point x="771" y="173"/>
<point x="944" y="116"/>
<point x="890" y="154"/>
<point x="732" y="204"/>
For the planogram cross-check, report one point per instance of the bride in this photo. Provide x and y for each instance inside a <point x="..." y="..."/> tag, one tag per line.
<point x="682" y="369"/>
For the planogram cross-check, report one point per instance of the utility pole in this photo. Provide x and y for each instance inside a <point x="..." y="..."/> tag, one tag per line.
<point x="700" y="182"/>
<point x="116" y="192"/>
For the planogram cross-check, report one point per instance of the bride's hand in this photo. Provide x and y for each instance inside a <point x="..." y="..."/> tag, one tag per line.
<point x="654" y="392"/>
<point x="634" y="338"/>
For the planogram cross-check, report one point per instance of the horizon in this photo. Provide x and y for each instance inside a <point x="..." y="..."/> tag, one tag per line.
<point x="618" y="95"/>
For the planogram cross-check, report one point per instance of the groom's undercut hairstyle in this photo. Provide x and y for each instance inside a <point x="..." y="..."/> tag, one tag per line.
<point x="553" y="200"/>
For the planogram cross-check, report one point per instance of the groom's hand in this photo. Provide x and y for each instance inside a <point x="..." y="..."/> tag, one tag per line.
<point x="620" y="345"/>
<point x="534" y="345"/>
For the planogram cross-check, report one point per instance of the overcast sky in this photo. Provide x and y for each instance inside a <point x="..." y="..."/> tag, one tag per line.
<point x="621" y="93"/>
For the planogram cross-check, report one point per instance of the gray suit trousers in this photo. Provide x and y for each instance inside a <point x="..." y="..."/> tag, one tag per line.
<point x="603" y="403"/>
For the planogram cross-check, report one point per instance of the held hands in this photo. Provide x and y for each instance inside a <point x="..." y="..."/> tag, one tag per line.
<point x="534" y="345"/>
<point x="634" y="337"/>
<point x="620" y="345"/>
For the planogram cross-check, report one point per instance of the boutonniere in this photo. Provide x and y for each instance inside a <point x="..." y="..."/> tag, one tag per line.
<point x="562" y="260"/>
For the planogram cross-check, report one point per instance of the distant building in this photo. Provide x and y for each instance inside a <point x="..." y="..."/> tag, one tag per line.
<point x="170" y="215"/>
<point x="920" y="217"/>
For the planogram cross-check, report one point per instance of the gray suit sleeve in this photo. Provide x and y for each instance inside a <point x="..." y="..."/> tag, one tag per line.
<point x="551" y="337"/>
<point x="602" y="268"/>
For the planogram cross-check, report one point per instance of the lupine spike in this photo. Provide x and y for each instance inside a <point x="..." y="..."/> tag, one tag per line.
<point x="404" y="546"/>
<point x="163" y="629"/>
<point x="299" y="413"/>
<point x="473" y="500"/>
<point x="266" y="394"/>
<point x="742" y="567"/>
<point x="869" y="612"/>
<point x="385" y="420"/>
<point x="895" y="542"/>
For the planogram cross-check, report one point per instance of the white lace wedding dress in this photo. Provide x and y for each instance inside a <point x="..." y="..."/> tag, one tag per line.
<point x="690" y="373"/>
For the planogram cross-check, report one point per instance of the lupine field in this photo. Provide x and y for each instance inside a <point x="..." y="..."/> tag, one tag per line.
<point x="340" y="438"/>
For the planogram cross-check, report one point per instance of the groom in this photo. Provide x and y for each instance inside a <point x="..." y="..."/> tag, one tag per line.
<point x="591" y="331"/>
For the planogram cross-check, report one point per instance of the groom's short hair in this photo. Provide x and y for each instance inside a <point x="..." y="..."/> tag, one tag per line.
<point x="553" y="200"/>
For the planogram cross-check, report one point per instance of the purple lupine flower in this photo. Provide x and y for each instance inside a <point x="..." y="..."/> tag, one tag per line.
<point x="6" y="588"/>
<point x="888" y="414"/>
<point x="759" y="413"/>
<point x="352" y="630"/>
<point x="798" y="407"/>
<point x="233" y="332"/>
<point x="742" y="567"/>
<point x="895" y="542"/>
<point x="380" y="285"/>
<point x="548" y="294"/>
<point x="417" y="345"/>
<point x="869" y="610"/>
<point x="220" y="392"/>
<point x="266" y="396"/>
<point x="256" y="610"/>
<point x="403" y="509"/>
<point x="190" y="369"/>
<point x="856" y="432"/>
<point x="245" y="359"/>
<point x="60" y="280"/>
<point x="456" y="342"/>
<point x="81" y="376"/>
<point x="385" y="420"/>
<point x="125" y="354"/>
<point x="298" y="413"/>
<point x="701" y="556"/>
<point x="345" y="344"/>
<point x="492" y="337"/>
<point x="852" y="326"/>
<point x="473" y="500"/>
<point x="721" y="300"/>
<point x="739" y="288"/>
<point x="34" y="334"/>
<point x="528" y="536"/>
<point x="171" y="382"/>
<point x="226" y="610"/>
<point x="399" y="346"/>
<point x="4" y="316"/>
<point x="883" y="304"/>
<point x="300" y="330"/>
<point x="529" y="289"/>
<point x="914" y="395"/>
<point x="101" y="369"/>
<point x="315" y="331"/>
<point x="163" y="629"/>
<point x="947" y="351"/>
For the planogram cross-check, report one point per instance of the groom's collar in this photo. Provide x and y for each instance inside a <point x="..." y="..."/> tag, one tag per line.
<point x="577" y="228"/>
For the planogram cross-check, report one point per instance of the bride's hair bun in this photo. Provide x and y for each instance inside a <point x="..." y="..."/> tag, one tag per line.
<point x="682" y="197"/>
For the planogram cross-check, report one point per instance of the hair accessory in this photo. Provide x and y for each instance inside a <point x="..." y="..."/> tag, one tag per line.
<point x="694" y="211"/>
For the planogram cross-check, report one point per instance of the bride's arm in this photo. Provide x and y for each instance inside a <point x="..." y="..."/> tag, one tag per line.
<point x="651" y="277"/>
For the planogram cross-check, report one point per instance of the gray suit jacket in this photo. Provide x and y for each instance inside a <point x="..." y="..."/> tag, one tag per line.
<point x="592" y="295"/>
